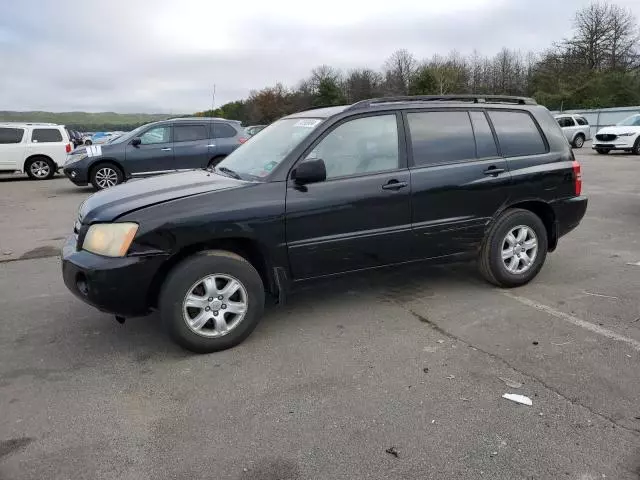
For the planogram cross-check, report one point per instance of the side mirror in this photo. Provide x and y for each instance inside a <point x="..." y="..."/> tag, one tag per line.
<point x="310" y="171"/>
<point x="136" y="141"/>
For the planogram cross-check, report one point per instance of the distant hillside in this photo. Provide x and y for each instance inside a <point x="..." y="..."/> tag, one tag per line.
<point x="84" y="121"/>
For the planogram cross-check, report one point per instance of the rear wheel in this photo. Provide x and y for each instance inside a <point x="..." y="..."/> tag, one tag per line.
<point x="578" y="142"/>
<point x="603" y="151"/>
<point x="88" y="142"/>
<point x="40" y="168"/>
<point x="212" y="301"/>
<point x="105" y="175"/>
<point x="514" y="249"/>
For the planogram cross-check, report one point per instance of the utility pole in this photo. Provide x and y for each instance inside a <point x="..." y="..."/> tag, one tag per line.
<point x="213" y="99"/>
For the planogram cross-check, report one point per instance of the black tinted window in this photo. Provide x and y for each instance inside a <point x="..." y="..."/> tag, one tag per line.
<point x="187" y="133"/>
<point x="566" y="122"/>
<point x="485" y="143"/>
<point x="582" y="121"/>
<point x="222" y="130"/>
<point x="441" y="137"/>
<point x="517" y="134"/>
<point x="11" y="135"/>
<point x="46" y="135"/>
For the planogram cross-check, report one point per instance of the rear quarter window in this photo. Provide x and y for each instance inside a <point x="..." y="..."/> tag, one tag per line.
<point x="517" y="133"/>
<point x="11" y="135"/>
<point x="46" y="135"/>
<point x="582" y="121"/>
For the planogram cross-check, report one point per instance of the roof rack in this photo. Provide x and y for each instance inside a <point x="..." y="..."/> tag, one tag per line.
<point x="444" y="98"/>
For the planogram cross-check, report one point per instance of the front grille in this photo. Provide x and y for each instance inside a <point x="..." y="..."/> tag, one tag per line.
<point x="606" y="137"/>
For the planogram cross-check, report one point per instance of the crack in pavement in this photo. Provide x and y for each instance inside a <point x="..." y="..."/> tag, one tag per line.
<point x="433" y="325"/>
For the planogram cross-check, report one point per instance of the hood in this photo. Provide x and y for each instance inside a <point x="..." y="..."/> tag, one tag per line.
<point x="618" y="129"/>
<point x="112" y="203"/>
<point x="96" y="150"/>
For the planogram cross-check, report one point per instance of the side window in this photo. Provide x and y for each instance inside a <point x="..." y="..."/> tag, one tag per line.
<point x="188" y="133"/>
<point x="441" y="137"/>
<point x="517" y="133"/>
<point x="566" y="122"/>
<point x="11" y="135"/>
<point x="363" y="145"/>
<point x="46" y="135"/>
<point x="156" y="135"/>
<point x="582" y="121"/>
<point x="222" y="130"/>
<point x="485" y="143"/>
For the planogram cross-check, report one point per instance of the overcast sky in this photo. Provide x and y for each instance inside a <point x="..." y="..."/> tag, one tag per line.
<point x="166" y="55"/>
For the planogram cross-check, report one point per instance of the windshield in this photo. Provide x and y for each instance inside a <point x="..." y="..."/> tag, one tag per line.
<point x="128" y="136"/>
<point x="261" y="154"/>
<point x="632" y="121"/>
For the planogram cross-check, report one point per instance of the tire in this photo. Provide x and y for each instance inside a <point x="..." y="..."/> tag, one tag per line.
<point x="105" y="175"/>
<point x="578" y="142"/>
<point x="40" y="168"/>
<point x="215" y="161"/>
<point x="603" y="151"/>
<point x="492" y="266"/>
<point x="88" y="142"/>
<point x="188" y="278"/>
<point x="636" y="147"/>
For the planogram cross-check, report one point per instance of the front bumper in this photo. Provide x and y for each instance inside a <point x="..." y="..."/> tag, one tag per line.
<point x="569" y="213"/>
<point x="77" y="175"/>
<point x="618" y="144"/>
<point x="120" y="286"/>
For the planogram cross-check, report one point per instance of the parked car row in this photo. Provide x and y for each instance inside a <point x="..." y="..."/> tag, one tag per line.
<point x="623" y="136"/>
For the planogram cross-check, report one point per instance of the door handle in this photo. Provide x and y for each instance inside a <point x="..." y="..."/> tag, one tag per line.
<point x="168" y="149"/>
<point x="394" y="185"/>
<point x="493" y="171"/>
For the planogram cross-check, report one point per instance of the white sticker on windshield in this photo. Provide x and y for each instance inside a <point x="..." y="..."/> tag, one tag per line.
<point x="307" y="122"/>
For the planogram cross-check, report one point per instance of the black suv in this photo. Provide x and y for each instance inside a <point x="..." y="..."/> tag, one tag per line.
<point x="324" y="192"/>
<point x="160" y="147"/>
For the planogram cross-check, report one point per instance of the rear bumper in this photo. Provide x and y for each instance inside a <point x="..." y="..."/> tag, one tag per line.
<point x="569" y="213"/>
<point x="114" y="285"/>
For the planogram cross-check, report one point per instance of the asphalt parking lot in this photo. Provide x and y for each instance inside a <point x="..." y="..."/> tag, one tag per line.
<point x="396" y="374"/>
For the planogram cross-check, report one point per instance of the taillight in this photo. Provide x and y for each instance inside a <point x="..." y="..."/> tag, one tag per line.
<point x="577" y="177"/>
<point x="242" y="140"/>
<point x="68" y="148"/>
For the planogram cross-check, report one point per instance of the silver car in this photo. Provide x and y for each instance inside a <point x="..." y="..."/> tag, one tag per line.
<point x="575" y="127"/>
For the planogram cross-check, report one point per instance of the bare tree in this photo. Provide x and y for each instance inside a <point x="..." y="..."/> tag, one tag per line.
<point x="361" y="84"/>
<point x="398" y="70"/>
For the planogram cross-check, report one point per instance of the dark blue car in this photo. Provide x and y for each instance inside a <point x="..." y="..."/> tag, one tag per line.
<point x="156" y="148"/>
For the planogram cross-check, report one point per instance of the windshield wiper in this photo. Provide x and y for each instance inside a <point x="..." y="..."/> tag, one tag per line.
<point x="229" y="172"/>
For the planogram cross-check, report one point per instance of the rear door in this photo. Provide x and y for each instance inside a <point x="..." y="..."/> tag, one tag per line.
<point x="191" y="145"/>
<point x="49" y="141"/>
<point x="12" y="148"/>
<point x="568" y="126"/>
<point x="226" y="139"/>
<point x="153" y="155"/>
<point x="458" y="179"/>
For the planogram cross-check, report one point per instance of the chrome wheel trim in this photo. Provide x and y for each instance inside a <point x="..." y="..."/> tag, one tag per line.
<point x="215" y="305"/>
<point x="106" y="177"/>
<point x="519" y="249"/>
<point x="40" y="169"/>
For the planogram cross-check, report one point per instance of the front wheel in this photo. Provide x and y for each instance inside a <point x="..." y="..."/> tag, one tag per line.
<point x="636" y="147"/>
<point x="603" y="151"/>
<point x="106" y="175"/>
<point x="514" y="249"/>
<point x="212" y="301"/>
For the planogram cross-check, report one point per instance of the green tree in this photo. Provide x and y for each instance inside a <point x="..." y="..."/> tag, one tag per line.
<point x="328" y="94"/>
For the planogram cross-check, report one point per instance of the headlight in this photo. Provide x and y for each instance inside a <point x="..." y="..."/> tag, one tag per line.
<point x="628" y="134"/>
<point x="110" y="239"/>
<point x="75" y="157"/>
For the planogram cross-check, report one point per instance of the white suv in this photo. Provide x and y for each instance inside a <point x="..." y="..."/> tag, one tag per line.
<point x="37" y="149"/>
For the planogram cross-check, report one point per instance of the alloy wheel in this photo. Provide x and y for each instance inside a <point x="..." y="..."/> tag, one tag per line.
<point x="106" y="177"/>
<point x="519" y="249"/>
<point x="40" y="169"/>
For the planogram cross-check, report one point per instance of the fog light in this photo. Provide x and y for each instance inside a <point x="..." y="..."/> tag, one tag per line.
<point x="73" y="174"/>
<point x="81" y="284"/>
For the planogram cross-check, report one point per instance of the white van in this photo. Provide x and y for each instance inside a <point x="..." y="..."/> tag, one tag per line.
<point x="37" y="149"/>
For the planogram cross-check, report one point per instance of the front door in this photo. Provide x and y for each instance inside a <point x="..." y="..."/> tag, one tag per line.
<point x="359" y="217"/>
<point x="191" y="145"/>
<point x="458" y="180"/>
<point x="153" y="155"/>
